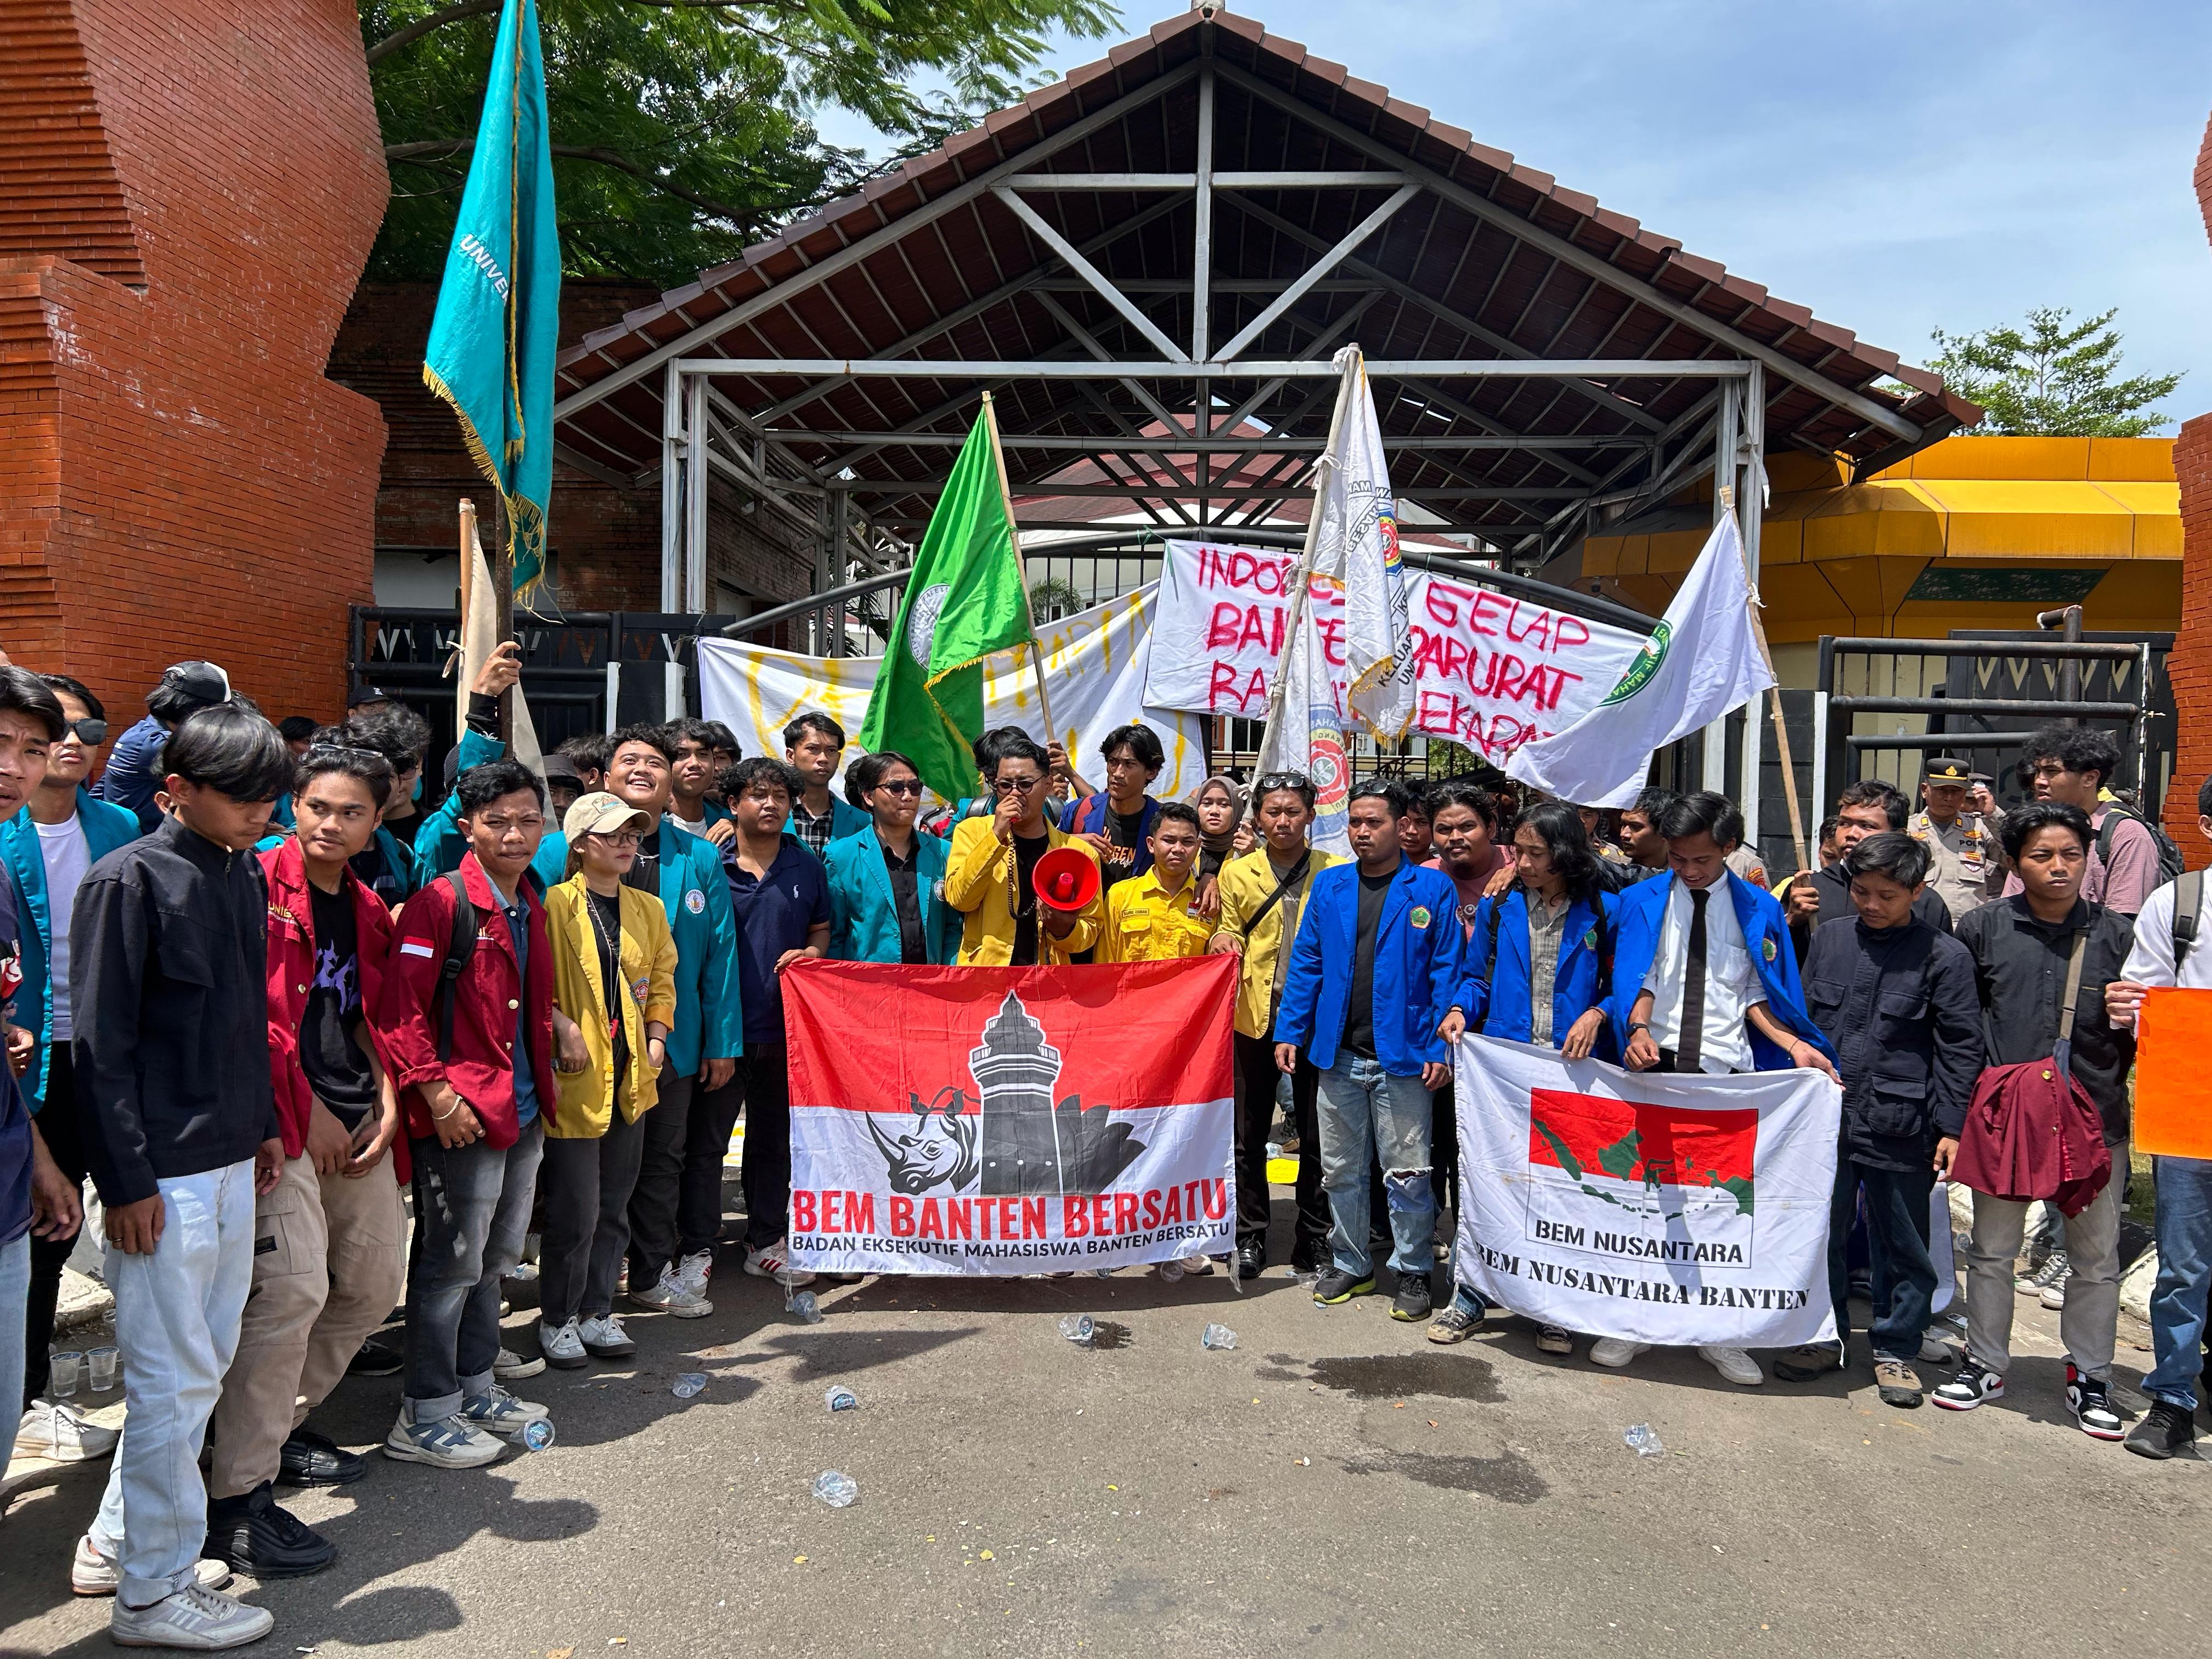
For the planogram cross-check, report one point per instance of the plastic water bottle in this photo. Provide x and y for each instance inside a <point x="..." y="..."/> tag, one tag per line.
<point x="689" y="1385"/>
<point x="803" y="1303"/>
<point x="841" y="1399"/>
<point x="835" y="1489"/>
<point x="1217" y="1336"/>
<point x="1642" y="1442"/>
<point x="1077" y="1329"/>
<point x="536" y="1435"/>
<point x="1171" y="1271"/>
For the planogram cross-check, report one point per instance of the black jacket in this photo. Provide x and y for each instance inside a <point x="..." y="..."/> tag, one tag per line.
<point x="168" y="952"/>
<point x="2019" y="970"/>
<point x="1899" y="1006"/>
<point x="1834" y="888"/>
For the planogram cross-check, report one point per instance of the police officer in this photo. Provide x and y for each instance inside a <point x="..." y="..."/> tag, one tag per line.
<point x="1966" y="868"/>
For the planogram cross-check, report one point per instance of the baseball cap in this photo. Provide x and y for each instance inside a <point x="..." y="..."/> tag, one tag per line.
<point x="203" y="682"/>
<point x="560" y="767"/>
<point x="601" y="814"/>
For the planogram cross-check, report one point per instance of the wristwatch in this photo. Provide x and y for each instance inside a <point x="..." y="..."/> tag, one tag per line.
<point x="1639" y="1025"/>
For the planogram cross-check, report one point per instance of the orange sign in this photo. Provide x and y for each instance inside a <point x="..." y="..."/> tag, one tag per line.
<point x="2174" y="1114"/>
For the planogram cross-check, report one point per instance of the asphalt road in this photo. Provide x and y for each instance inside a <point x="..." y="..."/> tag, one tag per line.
<point x="1334" y="1485"/>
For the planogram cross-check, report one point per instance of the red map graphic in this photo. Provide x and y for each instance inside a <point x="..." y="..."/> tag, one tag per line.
<point x="1588" y="1135"/>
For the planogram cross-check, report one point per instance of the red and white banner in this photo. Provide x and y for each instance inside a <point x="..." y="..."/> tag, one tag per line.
<point x="1010" y="1119"/>
<point x="1676" y="1210"/>
<point x="1491" y="671"/>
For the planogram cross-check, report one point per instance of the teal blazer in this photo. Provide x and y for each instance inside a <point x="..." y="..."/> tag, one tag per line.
<point x="845" y="819"/>
<point x="863" y="918"/>
<point x="107" y="826"/>
<point x="438" y="843"/>
<point x="709" y="1017"/>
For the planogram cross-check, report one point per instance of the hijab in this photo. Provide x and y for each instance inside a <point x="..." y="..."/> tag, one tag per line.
<point x="1216" y="849"/>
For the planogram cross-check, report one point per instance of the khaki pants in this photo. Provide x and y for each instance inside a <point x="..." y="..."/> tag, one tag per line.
<point x="328" y="1268"/>
<point x="2089" y="1322"/>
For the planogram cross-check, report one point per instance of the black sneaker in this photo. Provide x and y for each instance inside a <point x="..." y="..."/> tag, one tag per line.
<point x="2091" y="1402"/>
<point x="251" y="1535"/>
<point x="309" y="1459"/>
<point x="1337" y="1285"/>
<point x="1811" y="1361"/>
<point x="376" y="1359"/>
<point x="1413" y="1300"/>
<point x="1251" y="1262"/>
<point x="2165" y="1430"/>
<point x="1974" y="1384"/>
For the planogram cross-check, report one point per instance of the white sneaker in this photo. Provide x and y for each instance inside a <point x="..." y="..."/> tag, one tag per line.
<point x="92" y="1573"/>
<point x="668" y="1297"/>
<point x="604" y="1338"/>
<point x="446" y="1443"/>
<point x="202" y="1620"/>
<point x="693" y="1272"/>
<point x="772" y="1261"/>
<point x="563" y="1347"/>
<point x="1612" y="1353"/>
<point x="512" y="1367"/>
<point x="1739" y="1367"/>
<point x="62" y="1434"/>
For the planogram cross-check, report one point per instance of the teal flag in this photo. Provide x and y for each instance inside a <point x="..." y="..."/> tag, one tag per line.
<point x="499" y="305"/>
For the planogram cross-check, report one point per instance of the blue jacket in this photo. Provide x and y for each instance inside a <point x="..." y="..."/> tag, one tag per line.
<point x="845" y="819"/>
<point x="1773" y="959"/>
<point x="1417" y="948"/>
<point x="1579" y="983"/>
<point x="131" y="774"/>
<point x="863" y="918"/>
<point x="107" y="826"/>
<point x="1087" y="816"/>
<point x="438" y="843"/>
<point x="709" y="1019"/>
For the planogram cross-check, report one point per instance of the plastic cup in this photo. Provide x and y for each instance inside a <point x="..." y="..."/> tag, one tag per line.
<point x="63" y="1370"/>
<point x="101" y="1361"/>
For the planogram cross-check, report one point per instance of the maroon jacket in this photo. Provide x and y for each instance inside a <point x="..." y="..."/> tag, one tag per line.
<point x="487" y="998"/>
<point x="2033" y="1133"/>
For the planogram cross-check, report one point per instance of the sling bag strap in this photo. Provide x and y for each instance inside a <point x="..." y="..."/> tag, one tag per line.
<point x="1283" y="885"/>
<point x="2188" y="899"/>
<point x="460" y="945"/>
<point x="2064" y="1054"/>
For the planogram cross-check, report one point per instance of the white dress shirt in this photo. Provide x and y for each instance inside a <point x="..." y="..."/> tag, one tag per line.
<point x="2150" y="960"/>
<point x="1731" y="987"/>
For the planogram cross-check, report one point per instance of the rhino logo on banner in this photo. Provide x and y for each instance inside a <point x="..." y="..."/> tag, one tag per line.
<point x="938" y="1150"/>
<point x="1032" y="1143"/>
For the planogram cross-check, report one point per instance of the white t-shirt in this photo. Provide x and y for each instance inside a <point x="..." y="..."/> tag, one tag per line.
<point x="2150" y="959"/>
<point x="690" y="826"/>
<point x="67" y="856"/>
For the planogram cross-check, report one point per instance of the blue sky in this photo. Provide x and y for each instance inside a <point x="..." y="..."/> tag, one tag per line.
<point x="1896" y="166"/>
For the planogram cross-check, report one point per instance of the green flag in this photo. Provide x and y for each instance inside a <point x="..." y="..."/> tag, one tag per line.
<point x="499" y="304"/>
<point x="964" y="602"/>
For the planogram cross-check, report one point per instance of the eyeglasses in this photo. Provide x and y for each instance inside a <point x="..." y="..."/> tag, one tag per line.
<point x="901" y="787"/>
<point x="334" y="749"/>
<point x="89" y="730"/>
<point x="619" y="838"/>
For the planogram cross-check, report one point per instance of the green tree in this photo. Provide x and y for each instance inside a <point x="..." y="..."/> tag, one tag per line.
<point x="2052" y="380"/>
<point x="684" y="130"/>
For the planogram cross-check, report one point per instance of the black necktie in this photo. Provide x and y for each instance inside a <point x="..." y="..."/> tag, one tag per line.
<point x="1690" y="1043"/>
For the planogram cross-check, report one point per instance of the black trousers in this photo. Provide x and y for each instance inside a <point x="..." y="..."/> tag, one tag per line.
<point x="656" y="1196"/>
<point x="764" y="1080"/>
<point x="60" y="1127"/>
<point x="1255" y="1115"/>
<point x="584" y="1186"/>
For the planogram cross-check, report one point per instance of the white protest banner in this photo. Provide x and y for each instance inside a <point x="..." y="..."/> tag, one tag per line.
<point x="1491" y="671"/>
<point x="1683" y="1211"/>
<point x="1095" y="665"/>
<point x="982" y="1121"/>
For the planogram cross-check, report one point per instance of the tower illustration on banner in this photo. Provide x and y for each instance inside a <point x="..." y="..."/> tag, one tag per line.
<point x="1030" y="1144"/>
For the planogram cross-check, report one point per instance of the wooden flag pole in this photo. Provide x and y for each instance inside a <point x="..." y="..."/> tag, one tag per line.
<point x="1006" y="496"/>
<point x="502" y="617"/>
<point x="1797" y="841"/>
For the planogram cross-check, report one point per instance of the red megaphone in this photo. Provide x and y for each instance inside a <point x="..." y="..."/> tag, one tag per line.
<point x="1065" y="879"/>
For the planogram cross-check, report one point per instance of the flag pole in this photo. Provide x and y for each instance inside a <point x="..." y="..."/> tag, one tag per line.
<point x="1797" y="841"/>
<point x="502" y="617"/>
<point x="1301" y="571"/>
<point x="1006" y="498"/>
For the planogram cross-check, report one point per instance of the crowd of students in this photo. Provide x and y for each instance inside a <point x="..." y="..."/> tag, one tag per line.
<point x="262" y="990"/>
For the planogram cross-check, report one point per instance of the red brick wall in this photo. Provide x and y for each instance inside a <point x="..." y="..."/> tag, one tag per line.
<point x="2191" y="664"/>
<point x="188" y="190"/>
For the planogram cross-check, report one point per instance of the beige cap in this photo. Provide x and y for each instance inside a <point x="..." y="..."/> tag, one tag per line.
<point x="601" y="814"/>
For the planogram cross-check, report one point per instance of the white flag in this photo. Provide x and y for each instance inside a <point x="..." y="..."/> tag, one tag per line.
<point x="1358" y="545"/>
<point x="1702" y="661"/>
<point x="479" y="638"/>
<point x="1305" y="731"/>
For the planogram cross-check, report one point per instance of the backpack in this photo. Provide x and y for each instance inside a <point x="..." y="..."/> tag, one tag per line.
<point x="2188" y="899"/>
<point x="460" y="945"/>
<point x="2170" y="865"/>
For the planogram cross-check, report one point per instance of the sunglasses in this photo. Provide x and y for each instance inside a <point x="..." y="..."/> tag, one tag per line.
<point x="901" y="787"/>
<point x="1019" y="786"/>
<point x="1281" y="781"/>
<point x="89" y="731"/>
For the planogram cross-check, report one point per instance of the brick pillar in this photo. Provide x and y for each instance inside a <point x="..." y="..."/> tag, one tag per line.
<point x="188" y="191"/>
<point x="2191" y="664"/>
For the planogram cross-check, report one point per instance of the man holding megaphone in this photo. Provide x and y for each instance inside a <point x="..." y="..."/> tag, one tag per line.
<point x="1029" y="891"/>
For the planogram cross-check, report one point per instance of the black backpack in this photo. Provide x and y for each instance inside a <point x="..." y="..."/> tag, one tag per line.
<point x="2187" y="899"/>
<point x="2170" y="865"/>
<point x="459" y="947"/>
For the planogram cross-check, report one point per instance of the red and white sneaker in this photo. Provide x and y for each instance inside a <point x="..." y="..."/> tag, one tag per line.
<point x="1974" y="1384"/>
<point x="772" y="1262"/>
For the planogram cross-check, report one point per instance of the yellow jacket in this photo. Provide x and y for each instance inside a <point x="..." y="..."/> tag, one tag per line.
<point x="1144" y="922"/>
<point x="975" y="884"/>
<point x="648" y="994"/>
<point x="1245" y="882"/>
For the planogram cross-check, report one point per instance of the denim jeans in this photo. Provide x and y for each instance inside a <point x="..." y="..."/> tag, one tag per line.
<point x="2183" y="1227"/>
<point x="471" y="1212"/>
<point x="1896" y="1241"/>
<point x="177" y="1316"/>
<point x="1365" y="1115"/>
<point x="14" y="1305"/>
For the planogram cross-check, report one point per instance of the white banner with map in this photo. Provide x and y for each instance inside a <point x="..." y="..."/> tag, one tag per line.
<point x="1680" y="1210"/>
